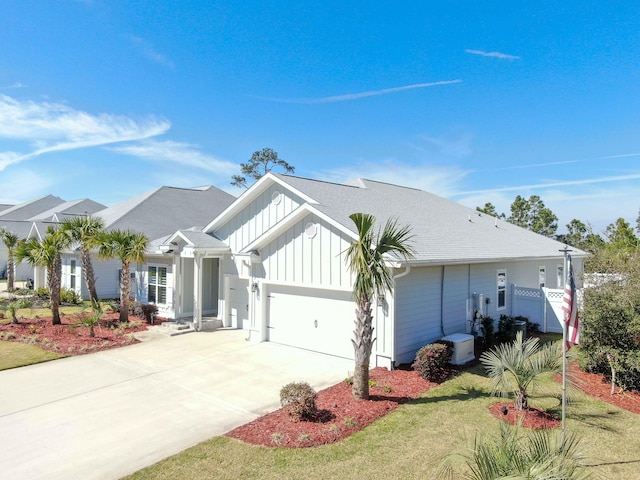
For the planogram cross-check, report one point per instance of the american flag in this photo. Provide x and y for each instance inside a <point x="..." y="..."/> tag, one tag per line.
<point x="570" y="307"/>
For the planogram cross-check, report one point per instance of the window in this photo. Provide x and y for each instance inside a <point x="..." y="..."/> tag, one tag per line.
<point x="560" y="276"/>
<point x="542" y="276"/>
<point x="72" y="274"/>
<point x="157" y="292"/>
<point x="502" y="289"/>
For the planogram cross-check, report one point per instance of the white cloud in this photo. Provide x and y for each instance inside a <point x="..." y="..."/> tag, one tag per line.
<point x="50" y="127"/>
<point x="452" y="145"/>
<point x="492" y="54"/>
<point x="177" y="152"/>
<point x="444" y="181"/>
<point x="356" y="96"/>
<point x="563" y="183"/>
<point x="16" y="85"/>
<point x="148" y="51"/>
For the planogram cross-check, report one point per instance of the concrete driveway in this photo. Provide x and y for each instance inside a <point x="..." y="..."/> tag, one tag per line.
<point x="104" y="415"/>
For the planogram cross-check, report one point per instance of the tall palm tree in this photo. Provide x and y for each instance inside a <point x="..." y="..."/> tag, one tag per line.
<point x="366" y="258"/>
<point x="86" y="232"/>
<point x="46" y="253"/>
<point x="515" y="366"/>
<point x="10" y="241"/>
<point x="128" y="246"/>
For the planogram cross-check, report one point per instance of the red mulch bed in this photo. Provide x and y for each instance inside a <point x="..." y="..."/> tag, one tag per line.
<point x="70" y="339"/>
<point x="531" y="418"/>
<point x="340" y="415"/>
<point x="599" y="387"/>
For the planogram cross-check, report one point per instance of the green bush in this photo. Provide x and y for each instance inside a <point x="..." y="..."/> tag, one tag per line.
<point x="299" y="399"/>
<point x="505" y="329"/>
<point x="147" y="311"/>
<point x="432" y="361"/>
<point x="610" y="336"/>
<point x="487" y="328"/>
<point x="69" y="297"/>
<point x="41" y="292"/>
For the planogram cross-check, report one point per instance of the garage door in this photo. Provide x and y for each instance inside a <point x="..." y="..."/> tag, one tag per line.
<point x="313" y="319"/>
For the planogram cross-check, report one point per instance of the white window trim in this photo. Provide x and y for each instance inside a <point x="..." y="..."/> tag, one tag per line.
<point x="542" y="269"/>
<point x="498" y="289"/>
<point x="167" y="286"/>
<point x="560" y="276"/>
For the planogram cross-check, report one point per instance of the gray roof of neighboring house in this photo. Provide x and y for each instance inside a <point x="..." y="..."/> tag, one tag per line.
<point x="444" y="231"/>
<point x="19" y="227"/>
<point x="4" y="206"/>
<point x="75" y="208"/>
<point x="164" y="210"/>
<point x="26" y="210"/>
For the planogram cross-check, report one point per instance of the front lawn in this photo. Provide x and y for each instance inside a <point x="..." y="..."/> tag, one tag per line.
<point x="14" y="354"/>
<point x="412" y="441"/>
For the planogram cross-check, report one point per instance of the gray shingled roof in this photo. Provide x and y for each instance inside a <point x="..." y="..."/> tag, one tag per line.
<point x="26" y="210"/>
<point x="19" y="227"/>
<point x="164" y="210"/>
<point x="4" y="206"/>
<point x="445" y="231"/>
<point x="74" y="208"/>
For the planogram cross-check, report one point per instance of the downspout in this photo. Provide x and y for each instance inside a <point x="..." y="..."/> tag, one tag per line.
<point x="442" y="301"/>
<point x="393" y="333"/>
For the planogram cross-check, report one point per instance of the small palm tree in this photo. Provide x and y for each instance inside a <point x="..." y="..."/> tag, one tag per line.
<point x="128" y="246"/>
<point x="515" y="366"/>
<point x="366" y="257"/>
<point x="86" y="232"/>
<point x="540" y="455"/>
<point x="10" y="241"/>
<point x="46" y="253"/>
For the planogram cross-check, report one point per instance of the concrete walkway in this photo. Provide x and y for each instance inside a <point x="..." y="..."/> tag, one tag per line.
<point x="108" y="414"/>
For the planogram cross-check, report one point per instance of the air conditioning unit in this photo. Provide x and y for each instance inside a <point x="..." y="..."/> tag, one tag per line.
<point x="463" y="348"/>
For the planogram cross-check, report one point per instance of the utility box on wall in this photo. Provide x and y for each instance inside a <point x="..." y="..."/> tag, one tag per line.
<point x="463" y="348"/>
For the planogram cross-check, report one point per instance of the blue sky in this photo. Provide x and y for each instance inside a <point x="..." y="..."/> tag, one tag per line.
<point x="475" y="101"/>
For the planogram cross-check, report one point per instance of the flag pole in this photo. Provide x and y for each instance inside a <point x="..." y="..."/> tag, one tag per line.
<point x="565" y="326"/>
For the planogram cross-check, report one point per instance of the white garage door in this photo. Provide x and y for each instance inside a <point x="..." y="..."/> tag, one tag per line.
<point x="314" y="319"/>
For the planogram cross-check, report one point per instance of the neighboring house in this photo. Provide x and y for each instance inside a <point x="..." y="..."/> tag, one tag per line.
<point x="157" y="214"/>
<point x="273" y="263"/>
<point x="19" y="219"/>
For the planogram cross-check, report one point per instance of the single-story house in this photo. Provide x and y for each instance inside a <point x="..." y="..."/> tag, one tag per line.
<point x="19" y="220"/>
<point x="273" y="263"/>
<point x="156" y="213"/>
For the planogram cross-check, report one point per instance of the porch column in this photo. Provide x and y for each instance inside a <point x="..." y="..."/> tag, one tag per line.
<point x="197" y="290"/>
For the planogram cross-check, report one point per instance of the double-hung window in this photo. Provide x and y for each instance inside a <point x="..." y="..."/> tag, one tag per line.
<point x="501" y="289"/>
<point x="157" y="289"/>
<point x="72" y="275"/>
<point x="542" y="276"/>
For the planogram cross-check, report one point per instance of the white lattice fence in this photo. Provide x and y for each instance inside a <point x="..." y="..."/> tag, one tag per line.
<point x="528" y="302"/>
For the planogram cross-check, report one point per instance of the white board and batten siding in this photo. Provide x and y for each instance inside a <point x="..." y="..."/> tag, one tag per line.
<point x="266" y="210"/>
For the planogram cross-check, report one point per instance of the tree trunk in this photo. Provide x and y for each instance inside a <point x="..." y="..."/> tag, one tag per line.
<point x="125" y="289"/>
<point x="89" y="277"/>
<point x="521" y="402"/>
<point x="55" y="272"/>
<point x="10" y="273"/>
<point x="362" y="346"/>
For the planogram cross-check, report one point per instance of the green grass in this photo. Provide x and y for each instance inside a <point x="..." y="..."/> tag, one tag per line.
<point x="413" y="441"/>
<point x="16" y="354"/>
<point x="46" y="312"/>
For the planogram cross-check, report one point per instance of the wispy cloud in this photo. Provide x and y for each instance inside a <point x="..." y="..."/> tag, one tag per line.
<point x="504" y="56"/>
<point x="176" y="152"/>
<point x="50" y="127"/>
<point x="453" y="145"/>
<point x="22" y="185"/>
<point x="151" y="53"/>
<point x="431" y="178"/>
<point x="356" y="96"/>
<point x="15" y="85"/>
<point x="565" y="183"/>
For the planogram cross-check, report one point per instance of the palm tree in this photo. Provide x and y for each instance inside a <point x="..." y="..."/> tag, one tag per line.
<point x="366" y="259"/>
<point x="86" y="232"/>
<point x="46" y="253"/>
<point x="514" y="366"/>
<point x="540" y="455"/>
<point x="10" y="240"/>
<point x="129" y="247"/>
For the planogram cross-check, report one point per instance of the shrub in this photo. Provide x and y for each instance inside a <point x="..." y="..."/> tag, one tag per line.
<point x="432" y="361"/>
<point x="69" y="297"/>
<point x="505" y="329"/>
<point x="487" y="328"/>
<point x="299" y="399"/>
<point x="41" y="292"/>
<point x="147" y="311"/>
